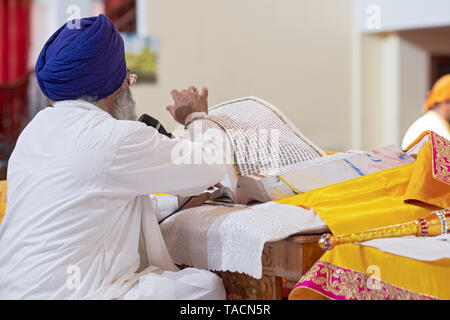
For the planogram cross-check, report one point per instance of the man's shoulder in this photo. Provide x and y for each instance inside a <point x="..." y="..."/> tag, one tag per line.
<point x="429" y="121"/>
<point x="425" y="121"/>
<point x="77" y="129"/>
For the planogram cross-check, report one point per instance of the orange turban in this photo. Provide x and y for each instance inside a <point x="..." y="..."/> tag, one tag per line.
<point x="439" y="93"/>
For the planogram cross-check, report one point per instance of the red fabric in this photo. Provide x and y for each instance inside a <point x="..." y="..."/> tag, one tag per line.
<point x="14" y="49"/>
<point x="112" y="5"/>
<point x="14" y="39"/>
<point x="122" y="13"/>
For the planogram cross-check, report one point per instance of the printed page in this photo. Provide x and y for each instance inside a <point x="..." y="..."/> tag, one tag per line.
<point x="263" y="139"/>
<point x="344" y="166"/>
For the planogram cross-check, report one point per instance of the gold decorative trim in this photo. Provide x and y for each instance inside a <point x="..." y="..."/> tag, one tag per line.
<point x="441" y="158"/>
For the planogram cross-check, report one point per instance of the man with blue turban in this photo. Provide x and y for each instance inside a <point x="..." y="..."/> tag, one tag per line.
<point x="80" y="222"/>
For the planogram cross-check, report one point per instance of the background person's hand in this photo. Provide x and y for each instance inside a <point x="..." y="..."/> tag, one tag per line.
<point x="186" y="102"/>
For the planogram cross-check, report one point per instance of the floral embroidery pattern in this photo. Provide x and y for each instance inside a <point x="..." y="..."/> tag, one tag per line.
<point x="441" y="158"/>
<point x="344" y="284"/>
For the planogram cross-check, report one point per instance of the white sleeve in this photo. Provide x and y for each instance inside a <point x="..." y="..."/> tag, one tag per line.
<point x="147" y="162"/>
<point x="165" y="205"/>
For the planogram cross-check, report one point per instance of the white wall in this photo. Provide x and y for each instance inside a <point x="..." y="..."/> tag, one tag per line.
<point x="414" y="67"/>
<point x="395" y="77"/>
<point x="402" y="14"/>
<point x="394" y="64"/>
<point x="307" y="57"/>
<point x="371" y="91"/>
<point x="295" y="54"/>
<point x="395" y="71"/>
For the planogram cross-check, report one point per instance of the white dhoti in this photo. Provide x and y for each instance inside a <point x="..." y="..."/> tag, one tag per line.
<point x="187" y="284"/>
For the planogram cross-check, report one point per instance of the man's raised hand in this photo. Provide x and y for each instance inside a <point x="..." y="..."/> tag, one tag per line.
<point x="186" y="102"/>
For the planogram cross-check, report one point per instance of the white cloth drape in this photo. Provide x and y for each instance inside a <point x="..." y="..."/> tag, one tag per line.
<point x="419" y="248"/>
<point x="79" y="222"/>
<point x="232" y="239"/>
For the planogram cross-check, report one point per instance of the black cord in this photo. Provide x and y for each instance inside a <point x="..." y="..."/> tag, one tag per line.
<point x="178" y="210"/>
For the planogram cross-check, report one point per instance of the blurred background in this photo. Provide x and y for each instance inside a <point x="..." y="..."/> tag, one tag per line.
<point x="348" y="73"/>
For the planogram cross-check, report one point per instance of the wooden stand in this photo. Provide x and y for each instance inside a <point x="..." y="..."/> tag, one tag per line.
<point x="286" y="259"/>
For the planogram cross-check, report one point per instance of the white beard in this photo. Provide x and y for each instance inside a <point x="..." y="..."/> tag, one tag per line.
<point x="124" y="105"/>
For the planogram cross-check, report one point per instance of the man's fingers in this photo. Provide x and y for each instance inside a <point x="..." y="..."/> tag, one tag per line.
<point x="175" y="94"/>
<point x="193" y="89"/>
<point x="205" y="93"/>
<point x="187" y="101"/>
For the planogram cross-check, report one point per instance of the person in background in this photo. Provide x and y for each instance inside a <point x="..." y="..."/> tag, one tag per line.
<point x="437" y="113"/>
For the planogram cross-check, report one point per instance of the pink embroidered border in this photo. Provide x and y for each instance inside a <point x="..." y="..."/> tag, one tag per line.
<point x="441" y="158"/>
<point x="344" y="284"/>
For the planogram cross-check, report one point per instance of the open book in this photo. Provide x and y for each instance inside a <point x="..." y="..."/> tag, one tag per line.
<point x="272" y="159"/>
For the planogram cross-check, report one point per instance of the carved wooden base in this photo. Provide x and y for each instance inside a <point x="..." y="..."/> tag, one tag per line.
<point x="243" y="287"/>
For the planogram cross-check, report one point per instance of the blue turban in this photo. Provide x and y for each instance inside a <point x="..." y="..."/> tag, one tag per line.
<point x="85" y="61"/>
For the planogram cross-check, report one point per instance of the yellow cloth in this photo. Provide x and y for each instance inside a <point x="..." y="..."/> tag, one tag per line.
<point x="439" y="93"/>
<point x="388" y="197"/>
<point x="422" y="187"/>
<point x="2" y="200"/>
<point x="385" y="198"/>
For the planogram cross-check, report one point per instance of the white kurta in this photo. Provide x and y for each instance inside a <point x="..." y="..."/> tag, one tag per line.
<point x="429" y="121"/>
<point x="79" y="220"/>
